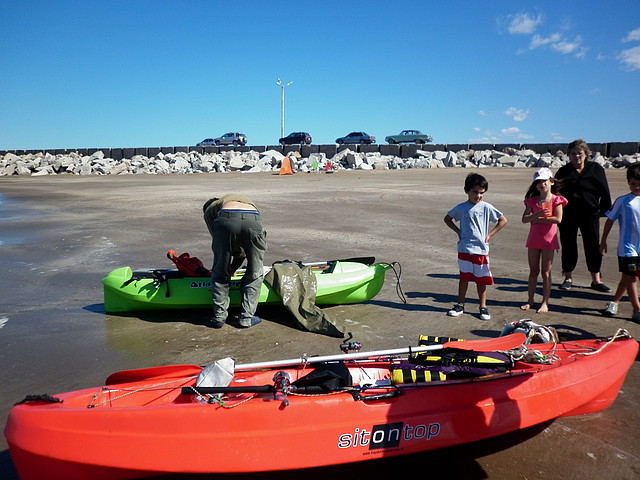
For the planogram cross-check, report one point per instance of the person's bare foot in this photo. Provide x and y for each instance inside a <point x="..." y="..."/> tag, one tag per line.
<point x="526" y="306"/>
<point x="544" y="308"/>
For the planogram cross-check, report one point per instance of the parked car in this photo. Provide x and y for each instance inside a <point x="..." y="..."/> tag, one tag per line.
<point x="296" y="137"/>
<point x="356" y="137"/>
<point x="409" y="136"/>
<point x="231" y="138"/>
<point x="205" y="142"/>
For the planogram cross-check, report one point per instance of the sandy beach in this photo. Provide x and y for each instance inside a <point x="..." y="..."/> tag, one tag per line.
<point x="60" y="235"/>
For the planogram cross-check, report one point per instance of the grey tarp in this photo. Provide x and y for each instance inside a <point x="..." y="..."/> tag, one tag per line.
<point x="217" y="374"/>
<point x="297" y="287"/>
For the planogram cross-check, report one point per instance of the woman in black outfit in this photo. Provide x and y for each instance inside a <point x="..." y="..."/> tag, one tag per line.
<point x="584" y="185"/>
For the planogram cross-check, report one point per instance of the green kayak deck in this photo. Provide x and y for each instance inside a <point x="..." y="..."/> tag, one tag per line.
<point x="338" y="282"/>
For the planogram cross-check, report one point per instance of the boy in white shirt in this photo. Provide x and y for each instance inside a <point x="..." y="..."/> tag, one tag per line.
<point x="474" y="218"/>
<point x="626" y="211"/>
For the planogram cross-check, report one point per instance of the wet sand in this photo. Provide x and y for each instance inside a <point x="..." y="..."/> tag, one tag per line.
<point x="61" y="234"/>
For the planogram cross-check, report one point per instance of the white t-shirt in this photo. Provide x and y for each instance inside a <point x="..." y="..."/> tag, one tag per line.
<point x="626" y="209"/>
<point x="474" y="222"/>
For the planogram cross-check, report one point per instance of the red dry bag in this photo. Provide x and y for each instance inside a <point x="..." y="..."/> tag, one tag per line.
<point x="190" y="266"/>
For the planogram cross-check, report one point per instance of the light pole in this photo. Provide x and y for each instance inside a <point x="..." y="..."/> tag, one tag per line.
<point x="282" y="86"/>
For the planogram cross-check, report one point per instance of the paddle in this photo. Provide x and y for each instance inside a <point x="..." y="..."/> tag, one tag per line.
<point x="507" y="342"/>
<point x="501" y="343"/>
<point x="259" y="389"/>
<point x="247" y="389"/>
<point x="365" y="260"/>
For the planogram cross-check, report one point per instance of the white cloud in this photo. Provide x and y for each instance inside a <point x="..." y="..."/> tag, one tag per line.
<point x="482" y="113"/>
<point x="517" y="114"/>
<point x="630" y="58"/>
<point x="523" y="23"/>
<point x="566" y="46"/>
<point x="510" y="131"/>
<point x="486" y="139"/>
<point x="566" y="24"/>
<point x="581" y="53"/>
<point x="510" y="134"/>
<point x="632" y="36"/>
<point x="557" y="43"/>
<point x="515" y="133"/>
<point x="540" y="41"/>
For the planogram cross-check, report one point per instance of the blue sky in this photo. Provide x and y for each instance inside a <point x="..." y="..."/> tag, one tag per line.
<point x="134" y="73"/>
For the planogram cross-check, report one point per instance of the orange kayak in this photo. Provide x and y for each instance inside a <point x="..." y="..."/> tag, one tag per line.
<point x="156" y="421"/>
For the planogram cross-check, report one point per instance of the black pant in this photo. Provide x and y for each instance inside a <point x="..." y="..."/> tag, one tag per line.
<point x="589" y="226"/>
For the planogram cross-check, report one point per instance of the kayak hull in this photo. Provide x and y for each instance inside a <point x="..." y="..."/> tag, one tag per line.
<point x="150" y="427"/>
<point x="339" y="283"/>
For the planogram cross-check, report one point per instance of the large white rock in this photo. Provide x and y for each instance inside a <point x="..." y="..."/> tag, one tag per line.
<point x="194" y="162"/>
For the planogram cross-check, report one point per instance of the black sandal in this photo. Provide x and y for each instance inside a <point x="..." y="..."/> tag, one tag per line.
<point x="600" y="287"/>
<point x="566" y="285"/>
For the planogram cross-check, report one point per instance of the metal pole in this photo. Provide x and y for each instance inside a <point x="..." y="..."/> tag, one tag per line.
<point x="282" y="114"/>
<point x="282" y="87"/>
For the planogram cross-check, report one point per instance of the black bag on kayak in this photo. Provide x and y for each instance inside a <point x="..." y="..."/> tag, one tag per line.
<point x="326" y="377"/>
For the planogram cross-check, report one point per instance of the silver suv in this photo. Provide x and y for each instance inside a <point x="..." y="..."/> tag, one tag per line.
<point x="231" y="138"/>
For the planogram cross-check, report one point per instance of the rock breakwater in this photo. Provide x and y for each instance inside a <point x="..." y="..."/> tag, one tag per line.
<point x="193" y="162"/>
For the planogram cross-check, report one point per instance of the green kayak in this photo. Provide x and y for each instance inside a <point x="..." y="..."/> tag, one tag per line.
<point x="337" y="282"/>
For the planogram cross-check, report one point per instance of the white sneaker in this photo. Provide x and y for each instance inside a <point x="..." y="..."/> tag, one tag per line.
<point x="484" y="314"/>
<point x="456" y="311"/>
<point x="610" y="309"/>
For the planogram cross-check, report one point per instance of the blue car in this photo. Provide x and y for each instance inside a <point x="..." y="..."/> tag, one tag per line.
<point x="356" y="137"/>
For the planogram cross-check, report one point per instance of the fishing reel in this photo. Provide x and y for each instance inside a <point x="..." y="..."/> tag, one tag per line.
<point x="282" y="384"/>
<point x="348" y="346"/>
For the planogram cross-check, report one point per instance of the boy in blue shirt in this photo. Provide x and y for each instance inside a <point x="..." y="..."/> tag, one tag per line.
<point x="474" y="217"/>
<point x="626" y="211"/>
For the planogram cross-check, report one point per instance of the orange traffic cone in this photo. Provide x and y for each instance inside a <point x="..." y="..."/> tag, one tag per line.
<point x="286" y="168"/>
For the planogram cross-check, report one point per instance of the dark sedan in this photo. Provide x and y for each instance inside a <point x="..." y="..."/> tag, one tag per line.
<point x="356" y="137"/>
<point x="296" y="137"/>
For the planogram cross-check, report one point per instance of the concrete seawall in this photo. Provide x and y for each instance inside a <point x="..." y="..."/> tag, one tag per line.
<point x="611" y="149"/>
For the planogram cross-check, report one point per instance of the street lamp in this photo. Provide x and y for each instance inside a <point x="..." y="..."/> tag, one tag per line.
<point x="282" y="86"/>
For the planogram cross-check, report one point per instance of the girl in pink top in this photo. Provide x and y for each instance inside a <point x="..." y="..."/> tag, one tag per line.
<point x="543" y="210"/>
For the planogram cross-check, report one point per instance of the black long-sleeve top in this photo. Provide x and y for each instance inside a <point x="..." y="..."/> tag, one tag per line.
<point x="587" y="191"/>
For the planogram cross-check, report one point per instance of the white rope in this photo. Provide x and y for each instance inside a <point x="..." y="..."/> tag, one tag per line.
<point x="223" y="404"/>
<point x="621" y="333"/>
<point x="130" y="392"/>
<point x="528" y="355"/>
